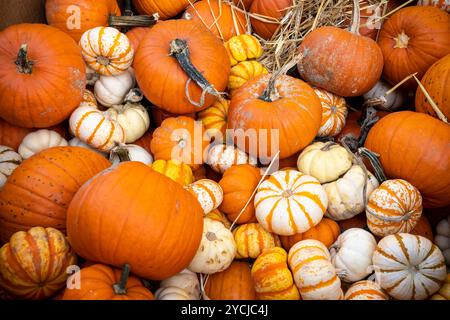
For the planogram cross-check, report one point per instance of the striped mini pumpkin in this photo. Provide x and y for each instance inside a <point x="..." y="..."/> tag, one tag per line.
<point x="314" y="274"/>
<point x="334" y="113"/>
<point x="217" y="215"/>
<point x="214" y="119"/>
<point x="221" y="157"/>
<point x="175" y="170"/>
<point x="272" y="278"/>
<point x="395" y="206"/>
<point x="409" y="267"/>
<point x="243" y="72"/>
<point x="106" y="50"/>
<point x="94" y="127"/>
<point x="9" y="161"/>
<point x="290" y="202"/>
<point x="252" y="239"/>
<point x="243" y="47"/>
<point x="365" y="290"/>
<point x="208" y="193"/>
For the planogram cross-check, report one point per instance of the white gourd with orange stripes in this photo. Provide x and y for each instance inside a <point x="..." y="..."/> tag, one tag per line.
<point x="9" y="161"/>
<point x="395" y="206"/>
<point x="96" y="128"/>
<point x="89" y="99"/>
<point x="334" y="113"/>
<point x="134" y="119"/>
<point x="409" y="267"/>
<point x="221" y="157"/>
<point x="351" y="254"/>
<point x="106" y="50"/>
<point x="39" y="140"/>
<point x="252" y="239"/>
<point x="290" y="202"/>
<point x="365" y="290"/>
<point x="314" y="274"/>
<point x="208" y="193"/>
<point x="111" y="90"/>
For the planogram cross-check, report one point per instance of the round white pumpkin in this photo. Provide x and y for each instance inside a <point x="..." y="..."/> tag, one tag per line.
<point x="39" y="140"/>
<point x="182" y="286"/>
<point x="130" y="151"/>
<point x="221" y="157"/>
<point x="133" y="118"/>
<point x="391" y="102"/>
<point x="111" y="90"/>
<point x="9" y="161"/>
<point x="442" y="238"/>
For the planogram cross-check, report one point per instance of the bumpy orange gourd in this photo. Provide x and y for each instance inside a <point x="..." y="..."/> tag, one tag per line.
<point x="165" y="9"/>
<point x="243" y="72"/>
<point x="273" y="10"/>
<point x="252" y="239"/>
<point x="175" y="170"/>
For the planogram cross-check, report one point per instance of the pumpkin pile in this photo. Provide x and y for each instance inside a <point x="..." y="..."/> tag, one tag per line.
<point x="166" y="162"/>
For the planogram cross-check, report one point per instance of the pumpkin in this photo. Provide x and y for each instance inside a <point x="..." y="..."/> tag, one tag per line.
<point x="251" y="240"/>
<point x="358" y="221"/>
<point x="201" y="66"/>
<point x="219" y="216"/>
<point x="164" y="9"/>
<point x="74" y="18"/>
<point x="243" y="3"/>
<point x="214" y="119"/>
<point x="135" y="36"/>
<point x="75" y="142"/>
<point x="327" y="232"/>
<point x="435" y="81"/>
<point x="408" y="267"/>
<point x="145" y="141"/>
<point x="159" y="115"/>
<point x="351" y="254"/>
<point x="9" y="161"/>
<point x="402" y="139"/>
<point x="442" y="238"/>
<point x="423" y="228"/>
<point x="290" y="202"/>
<point x="40" y="190"/>
<point x="270" y="10"/>
<point x="406" y="31"/>
<point x="182" y="286"/>
<point x="106" y="50"/>
<point x="221" y="157"/>
<point x="101" y="282"/>
<point x="314" y="274"/>
<point x="133" y="118"/>
<point x="97" y="128"/>
<point x="37" y="61"/>
<point x="12" y="136"/>
<point x="243" y="72"/>
<point x="242" y="48"/>
<point x="208" y="193"/>
<point x="89" y="99"/>
<point x="175" y="170"/>
<point x="238" y="184"/>
<point x="33" y="263"/>
<point x="220" y="18"/>
<point x="286" y="111"/>
<point x="334" y="113"/>
<point x="444" y="291"/>
<point x="217" y="249"/>
<point x="365" y="290"/>
<point x="324" y="161"/>
<point x="180" y="139"/>
<point x="131" y="192"/>
<point x="390" y="102"/>
<point x="346" y="195"/>
<point x="199" y="173"/>
<point x="130" y="152"/>
<point x="441" y="4"/>
<point x="395" y="206"/>
<point x="110" y="90"/>
<point x="234" y="283"/>
<point x="39" y="140"/>
<point x="272" y="278"/>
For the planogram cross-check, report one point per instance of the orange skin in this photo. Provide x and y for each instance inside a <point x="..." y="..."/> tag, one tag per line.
<point x="275" y="9"/>
<point x="136" y="35"/>
<point x="165" y="9"/>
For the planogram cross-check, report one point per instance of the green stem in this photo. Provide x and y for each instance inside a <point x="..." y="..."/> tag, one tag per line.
<point x="23" y="64"/>
<point x="121" y="287"/>
<point x="375" y="162"/>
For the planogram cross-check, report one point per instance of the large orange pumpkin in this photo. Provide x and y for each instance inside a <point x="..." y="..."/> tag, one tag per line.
<point x="423" y="228"/>
<point x="415" y="147"/>
<point x="235" y="283"/>
<point x="39" y="191"/>
<point x="174" y="59"/>
<point x="165" y="8"/>
<point x="145" y="141"/>
<point x="243" y="3"/>
<point x="412" y="39"/>
<point x="223" y="20"/>
<point x="437" y="83"/>
<point x="290" y="107"/>
<point x="76" y="17"/>
<point x="270" y="10"/>
<point x="136" y="35"/>
<point x="159" y="115"/>
<point x="441" y="4"/>
<point x="134" y="215"/>
<point x="42" y="75"/>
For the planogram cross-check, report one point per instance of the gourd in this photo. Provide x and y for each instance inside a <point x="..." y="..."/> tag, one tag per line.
<point x="221" y="157"/>
<point x="208" y="193"/>
<point x="111" y="90"/>
<point x="334" y="113"/>
<point x="365" y="290"/>
<point x="175" y="170"/>
<point x="130" y="152"/>
<point x="39" y="140"/>
<point x="133" y="118"/>
<point x="251" y="240"/>
<point x="9" y="161"/>
<point x="182" y="286"/>
<point x="442" y="238"/>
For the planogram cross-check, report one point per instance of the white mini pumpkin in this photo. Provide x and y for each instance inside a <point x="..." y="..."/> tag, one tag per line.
<point x="408" y="267"/>
<point x="75" y="142"/>
<point x="324" y="161"/>
<point x="217" y="248"/>
<point x="365" y="290"/>
<point x="391" y="102"/>
<point x="134" y="119"/>
<point x="9" y="161"/>
<point x="352" y="253"/>
<point x="130" y="152"/>
<point x="182" y="286"/>
<point x="111" y="90"/>
<point x="208" y="193"/>
<point x="442" y="238"/>
<point x="221" y="157"/>
<point x="39" y="140"/>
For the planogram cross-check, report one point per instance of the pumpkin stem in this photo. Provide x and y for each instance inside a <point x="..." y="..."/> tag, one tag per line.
<point x="328" y="146"/>
<point x="354" y="28"/>
<point x="401" y="41"/>
<point x="23" y="64"/>
<point x="131" y="21"/>
<point x="121" y="287"/>
<point x="179" y="49"/>
<point x="135" y="95"/>
<point x="368" y="119"/>
<point x="375" y="162"/>
<point x="269" y="91"/>
<point x="120" y="151"/>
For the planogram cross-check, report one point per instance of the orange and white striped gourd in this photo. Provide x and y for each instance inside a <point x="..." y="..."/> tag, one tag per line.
<point x="96" y="128"/>
<point x="290" y="202"/>
<point x="9" y="161"/>
<point x="221" y="157"/>
<point x="175" y="170"/>
<point x="409" y="267"/>
<point x="395" y="206"/>
<point x="334" y="113"/>
<point x="106" y="50"/>
<point x="182" y="286"/>
<point x="39" y="140"/>
<point x="365" y="290"/>
<point x="314" y="274"/>
<point x="272" y="278"/>
<point x="111" y="90"/>
<point x="243" y="47"/>
<point x="208" y="193"/>
<point x="444" y="291"/>
<point x="214" y="119"/>
<point x="252" y="239"/>
<point x="217" y="215"/>
<point x="89" y="99"/>
<point x="243" y="72"/>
